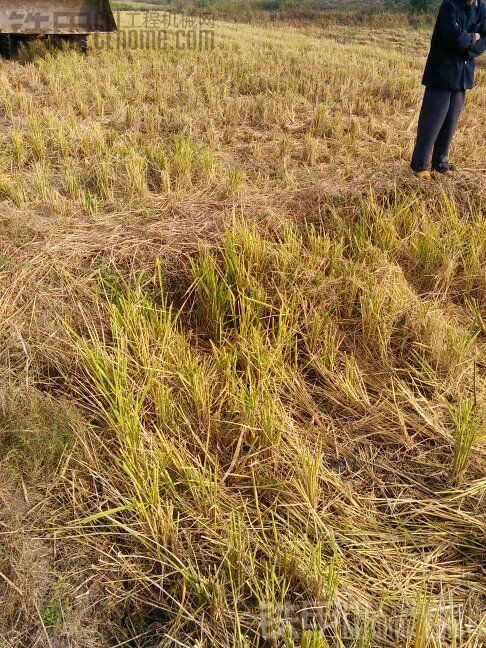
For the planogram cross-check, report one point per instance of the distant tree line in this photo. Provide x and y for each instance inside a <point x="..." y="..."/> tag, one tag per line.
<point x="424" y="6"/>
<point x="242" y="7"/>
<point x="415" y="6"/>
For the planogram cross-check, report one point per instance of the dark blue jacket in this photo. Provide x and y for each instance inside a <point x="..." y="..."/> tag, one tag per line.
<point x="451" y="63"/>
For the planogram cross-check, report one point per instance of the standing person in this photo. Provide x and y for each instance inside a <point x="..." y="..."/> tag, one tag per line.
<point x="459" y="37"/>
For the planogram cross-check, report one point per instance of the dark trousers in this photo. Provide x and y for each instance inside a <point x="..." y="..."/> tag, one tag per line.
<point x="437" y="125"/>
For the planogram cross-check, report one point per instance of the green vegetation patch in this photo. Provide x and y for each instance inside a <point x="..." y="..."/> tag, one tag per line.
<point x="298" y="432"/>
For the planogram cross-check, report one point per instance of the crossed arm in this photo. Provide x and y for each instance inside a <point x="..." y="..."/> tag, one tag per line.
<point x="450" y="30"/>
<point x="482" y="20"/>
<point x="479" y="47"/>
<point x="472" y="44"/>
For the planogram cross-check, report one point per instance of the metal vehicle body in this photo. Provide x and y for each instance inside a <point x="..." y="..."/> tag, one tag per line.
<point x="70" y="20"/>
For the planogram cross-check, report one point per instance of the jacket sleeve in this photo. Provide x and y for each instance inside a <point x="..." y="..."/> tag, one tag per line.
<point x="478" y="48"/>
<point x="450" y="30"/>
<point x="482" y="19"/>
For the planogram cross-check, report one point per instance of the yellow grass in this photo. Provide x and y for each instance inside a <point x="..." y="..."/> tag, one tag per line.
<point x="241" y="351"/>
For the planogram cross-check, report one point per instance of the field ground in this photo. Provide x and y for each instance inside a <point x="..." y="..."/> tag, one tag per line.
<point x="242" y="352"/>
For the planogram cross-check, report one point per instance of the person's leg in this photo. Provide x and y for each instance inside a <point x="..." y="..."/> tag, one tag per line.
<point x="434" y="111"/>
<point x="444" y="139"/>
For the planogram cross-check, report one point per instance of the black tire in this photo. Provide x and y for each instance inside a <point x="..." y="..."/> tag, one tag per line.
<point x="17" y="40"/>
<point x="10" y="44"/>
<point x="5" y="46"/>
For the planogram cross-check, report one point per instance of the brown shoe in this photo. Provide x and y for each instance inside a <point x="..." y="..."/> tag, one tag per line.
<point x="425" y="176"/>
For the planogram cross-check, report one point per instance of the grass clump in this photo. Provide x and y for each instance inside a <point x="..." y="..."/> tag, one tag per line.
<point x="237" y="443"/>
<point x="35" y="432"/>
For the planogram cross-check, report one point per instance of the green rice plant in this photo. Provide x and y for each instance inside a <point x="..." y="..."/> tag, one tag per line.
<point x="421" y="622"/>
<point x="13" y="190"/>
<point x="184" y="154"/>
<point x="467" y="427"/>
<point x="207" y="163"/>
<point x="320" y="120"/>
<point x="71" y="181"/>
<point x="41" y="183"/>
<point x="313" y="639"/>
<point x="310" y="152"/>
<point x="89" y="202"/>
<point x="104" y="179"/>
<point x="37" y="140"/>
<point x="323" y="342"/>
<point x="136" y="170"/>
<point x="309" y="482"/>
<point x="159" y="167"/>
<point x="7" y="103"/>
<point x="218" y="300"/>
<point x="18" y="147"/>
<point x="479" y="323"/>
<point x="236" y="178"/>
<point x="351" y="382"/>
